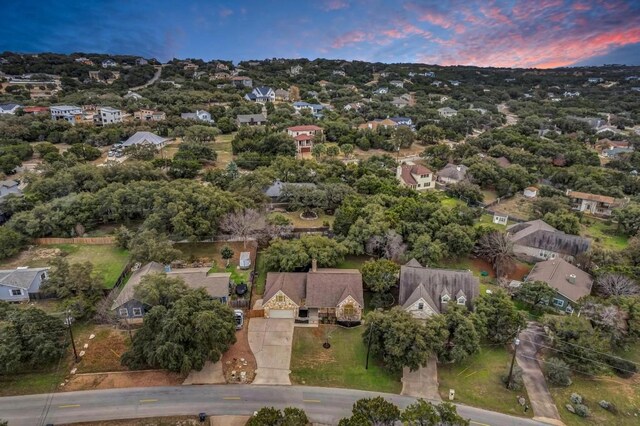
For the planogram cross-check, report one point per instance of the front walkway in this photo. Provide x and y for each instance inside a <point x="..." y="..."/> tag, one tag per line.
<point x="422" y="383"/>
<point x="544" y="408"/>
<point x="270" y="340"/>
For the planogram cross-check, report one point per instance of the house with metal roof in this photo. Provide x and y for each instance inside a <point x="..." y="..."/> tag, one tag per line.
<point x="429" y="291"/>
<point x="21" y="284"/>
<point x="9" y="108"/>
<point x="145" y="138"/>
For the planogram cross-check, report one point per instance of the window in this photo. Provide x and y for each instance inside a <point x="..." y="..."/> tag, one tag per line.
<point x="16" y="292"/>
<point x="558" y="302"/>
<point x="348" y="310"/>
<point x="137" y="312"/>
<point x="43" y="276"/>
<point x="420" y="306"/>
<point x="462" y="300"/>
<point x="553" y="256"/>
<point x="445" y="298"/>
<point x="280" y="298"/>
<point x="123" y="312"/>
<point x="569" y="309"/>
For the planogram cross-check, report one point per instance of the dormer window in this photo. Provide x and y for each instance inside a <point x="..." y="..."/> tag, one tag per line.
<point x="445" y="298"/>
<point x="462" y="300"/>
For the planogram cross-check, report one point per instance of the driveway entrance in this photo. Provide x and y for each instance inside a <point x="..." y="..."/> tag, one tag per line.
<point x="270" y="340"/>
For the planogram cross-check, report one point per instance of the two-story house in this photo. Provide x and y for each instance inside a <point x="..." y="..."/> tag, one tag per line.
<point x="304" y="136"/>
<point x="70" y="113"/>
<point x="150" y="115"/>
<point x="109" y="63"/>
<point x="599" y="205"/>
<point x="261" y="95"/>
<point x="107" y="115"/>
<point x="21" y="284"/>
<point x="428" y="291"/>
<point x="199" y="115"/>
<point x="415" y="176"/>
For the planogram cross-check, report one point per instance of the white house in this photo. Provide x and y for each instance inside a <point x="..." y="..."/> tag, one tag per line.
<point x="261" y="95"/>
<point x="531" y="192"/>
<point x="295" y="70"/>
<point x="381" y="91"/>
<point x="304" y="136"/>
<point x="397" y="83"/>
<point x="141" y="61"/>
<point x="109" y="63"/>
<point x="447" y="112"/>
<point x="69" y="113"/>
<point x="415" y="176"/>
<point x="9" y="108"/>
<point x="500" y="219"/>
<point x="107" y="115"/>
<point x="145" y="138"/>
<point x="132" y="95"/>
<point x="199" y="115"/>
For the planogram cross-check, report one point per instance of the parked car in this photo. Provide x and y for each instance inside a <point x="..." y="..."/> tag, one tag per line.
<point x="239" y="315"/>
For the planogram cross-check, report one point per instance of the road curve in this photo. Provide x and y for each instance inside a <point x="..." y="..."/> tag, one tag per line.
<point x="323" y="405"/>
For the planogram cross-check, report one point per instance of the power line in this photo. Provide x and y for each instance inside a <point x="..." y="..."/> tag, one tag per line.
<point x="568" y="368"/>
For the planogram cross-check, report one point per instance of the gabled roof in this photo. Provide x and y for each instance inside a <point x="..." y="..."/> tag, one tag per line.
<point x="407" y="171"/>
<point x="292" y="284"/>
<point x="591" y="197"/>
<point x="216" y="284"/>
<point x="557" y="273"/>
<point x="420" y="293"/>
<point x="251" y="118"/>
<point x="8" y="107"/>
<point x="144" y="137"/>
<point x="329" y="287"/>
<point x="262" y="91"/>
<point x="541" y="235"/>
<point x="126" y="293"/>
<point x="454" y="171"/>
<point x="8" y="183"/>
<point x="436" y="282"/>
<point x="20" y="278"/>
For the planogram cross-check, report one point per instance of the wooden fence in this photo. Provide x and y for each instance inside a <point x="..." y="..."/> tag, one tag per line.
<point x="255" y="313"/>
<point x="87" y="240"/>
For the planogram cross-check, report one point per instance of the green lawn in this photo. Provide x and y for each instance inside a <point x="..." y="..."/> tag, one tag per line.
<point x="487" y="219"/>
<point x="237" y="275"/>
<point x="477" y="382"/>
<point x="108" y="260"/>
<point x="624" y="393"/>
<point x="451" y="202"/>
<point x="31" y="383"/>
<point x="261" y="275"/>
<point x="352" y="262"/>
<point x="605" y="234"/>
<point x="489" y="196"/>
<point x="340" y="366"/>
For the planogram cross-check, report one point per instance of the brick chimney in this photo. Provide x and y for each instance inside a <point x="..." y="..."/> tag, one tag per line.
<point x="314" y="265"/>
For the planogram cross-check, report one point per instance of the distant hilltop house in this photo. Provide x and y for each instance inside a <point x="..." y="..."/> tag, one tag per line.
<point x="354" y="106"/>
<point x="9" y="108"/>
<point x="390" y="122"/>
<point x="251" y="120"/>
<point x="145" y="138"/>
<point x="199" y="115"/>
<point x="84" y="61"/>
<point x="415" y="176"/>
<point x="403" y="101"/>
<point x="8" y="187"/>
<point x="36" y="110"/>
<point x="70" y="113"/>
<point x="429" y="291"/>
<point x="595" y="80"/>
<point x="598" y="205"/>
<point x="21" y="284"/>
<point x="132" y="95"/>
<point x="397" y="83"/>
<point x="315" y="296"/>
<point x="447" y="112"/>
<point x="261" y="95"/>
<point x="109" y="63"/>
<point x="141" y="61"/>
<point x="150" y="115"/>
<point x="570" y="282"/>
<point x="538" y="240"/>
<point x="315" y="109"/>
<point x="453" y="173"/>
<point x="281" y="95"/>
<point x="295" y="70"/>
<point x="242" y="81"/>
<point x="569" y="94"/>
<point x="304" y="136"/>
<point x="615" y="152"/>
<point x="381" y="91"/>
<point x="530" y="192"/>
<point x="107" y="115"/>
<point x="126" y="306"/>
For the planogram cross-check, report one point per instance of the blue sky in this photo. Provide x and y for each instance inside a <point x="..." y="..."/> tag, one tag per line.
<point x="521" y="33"/>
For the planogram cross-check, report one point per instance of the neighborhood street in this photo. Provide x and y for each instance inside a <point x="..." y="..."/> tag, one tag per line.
<point x="323" y="405"/>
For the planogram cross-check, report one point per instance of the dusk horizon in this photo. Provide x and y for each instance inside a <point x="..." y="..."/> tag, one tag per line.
<point x="504" y="34"/>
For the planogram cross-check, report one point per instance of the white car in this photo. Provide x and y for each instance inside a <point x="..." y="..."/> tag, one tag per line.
<point x="239" y="315"/>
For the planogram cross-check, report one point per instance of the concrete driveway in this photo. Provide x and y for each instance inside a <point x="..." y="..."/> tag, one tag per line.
<point x="422" y="383"/>
<point x="270" y="340"/>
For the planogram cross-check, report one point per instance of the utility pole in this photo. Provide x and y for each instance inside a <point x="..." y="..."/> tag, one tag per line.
<point x="73" y="344"/>
<point x="516" y="343"/>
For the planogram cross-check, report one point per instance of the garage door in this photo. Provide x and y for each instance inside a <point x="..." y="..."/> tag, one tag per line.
<point x="280" y="313"/>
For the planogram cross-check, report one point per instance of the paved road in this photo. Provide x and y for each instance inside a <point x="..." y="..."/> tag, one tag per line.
<point x="323" y="405"/>
<point x="541" y="400"/>
<point x="155" y="78"/>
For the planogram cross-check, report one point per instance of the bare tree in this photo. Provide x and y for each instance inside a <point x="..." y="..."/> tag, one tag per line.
<point x="496" y="248"/>
<point x="617" y="285"/>
<point x="245" y="225"/>
<point x="394" y="247"/>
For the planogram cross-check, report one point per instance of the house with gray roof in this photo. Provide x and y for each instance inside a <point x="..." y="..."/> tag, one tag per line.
<point x="9" y="187"/>
<point x="570" y="282"/>
<point x="318" y="295"/>
<point x="538" y="240"/>
<point x="428" y="291"/>
<point x="145" y="138"/>
<point x="452" y="173"/>
<point x="278" y="189"/>
<point x="21" y="284"/>
<point x="199" y="115"/>
<point x="126" y="306"/>
<point x="261" y="94"/>
<point x="9" y="108"/>
<point x="251" y="120"/>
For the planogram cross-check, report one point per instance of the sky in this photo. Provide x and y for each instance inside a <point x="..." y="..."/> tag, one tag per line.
<point x="501" y="33"/>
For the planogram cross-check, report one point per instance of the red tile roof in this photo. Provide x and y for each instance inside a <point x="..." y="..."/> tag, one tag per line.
<point x="304" y="137"/>
<point x="408" y="170"/>
<point x="35" y="109"/>
<point x="304" y="128"/>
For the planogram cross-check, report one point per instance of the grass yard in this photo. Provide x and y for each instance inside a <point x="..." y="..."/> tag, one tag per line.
<point x="30" y="383"/>
<point x="108" y="260"/>
<point x="477" y="382"/>
<point x="624" y="393"/>
<point x="297" y="222"/>
<point x="237" y="275"/>
<point x="353" y="262"/>
<point x="487" y="220"/>
<point x="261" y="276"/>
<point x="489" y="196"/>
<point x="340" y="366"/>
<point x="210" y="252"/>
<point x="604" y="234"/>
<point x="451" y="202"/>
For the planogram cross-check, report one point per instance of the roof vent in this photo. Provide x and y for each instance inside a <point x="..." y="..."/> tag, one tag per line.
<point x="572" y="278"/>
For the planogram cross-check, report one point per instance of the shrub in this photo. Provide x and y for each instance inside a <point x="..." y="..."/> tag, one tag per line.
<point x="582" y="410"/>
<point x="576" y="398"/>
<point x="381" y="300"/>
<point x="622" y="367"/>
<point x="516" y="379"/>
<point x="609" y="406"/>
<point x="557" y="372"/>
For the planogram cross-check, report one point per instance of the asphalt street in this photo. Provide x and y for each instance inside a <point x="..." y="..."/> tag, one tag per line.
<point x="323" y="405"/>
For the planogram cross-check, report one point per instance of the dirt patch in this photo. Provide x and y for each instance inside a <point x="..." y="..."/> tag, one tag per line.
<point x="34" y="255"/>
<point x="128" y="379"/>
<point x="239" y="359"/>
<point x="151" y="421"/>
<point x="104" y="351"/>
<point x="521" y="270"/>
<point x="518" y="207"/>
